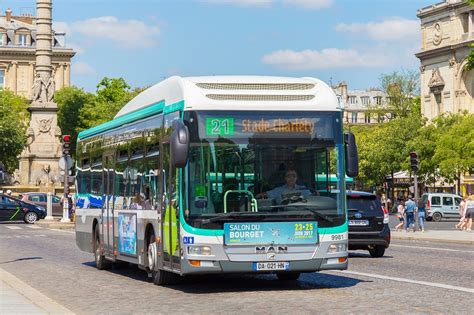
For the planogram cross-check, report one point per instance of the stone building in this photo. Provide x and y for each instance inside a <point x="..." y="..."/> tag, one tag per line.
<point x="447" y="30"/>
<point x="17" y="55"/>
<point x="359" y="105"/>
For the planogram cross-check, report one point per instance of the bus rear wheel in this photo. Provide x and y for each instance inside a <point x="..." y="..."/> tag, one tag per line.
<point x="100" y="262"/>
<point x="288" y="276"/>
<point x="159" y="276"/>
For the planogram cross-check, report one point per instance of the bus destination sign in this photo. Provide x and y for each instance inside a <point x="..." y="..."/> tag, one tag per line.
<point x="229" y="126"/>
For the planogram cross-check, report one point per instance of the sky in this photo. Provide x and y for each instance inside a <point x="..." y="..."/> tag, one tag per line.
<point x="146" y="41"/>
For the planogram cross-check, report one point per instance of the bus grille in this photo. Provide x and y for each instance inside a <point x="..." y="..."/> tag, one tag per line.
<point x="256" y="86"/>
<point x="256" y="97"/>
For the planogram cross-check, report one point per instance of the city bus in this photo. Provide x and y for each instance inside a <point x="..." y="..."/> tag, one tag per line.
<point x="176" y="182"/>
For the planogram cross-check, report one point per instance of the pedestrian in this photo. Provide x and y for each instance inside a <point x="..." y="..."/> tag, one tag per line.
<point x="462" y="213"/>
<point x="421" y="214"/>
<point x="410" y="208"/>
<point x="469" y="212"/>
<point x="400" y="214"/>
<point x="9" y="192"/>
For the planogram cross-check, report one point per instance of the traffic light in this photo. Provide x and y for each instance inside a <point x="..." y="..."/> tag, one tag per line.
<point x="66" y="145"/>
<point x="414" y="161"/>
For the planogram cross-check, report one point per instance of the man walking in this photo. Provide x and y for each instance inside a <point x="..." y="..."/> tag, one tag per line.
<point x="410" y="208"/>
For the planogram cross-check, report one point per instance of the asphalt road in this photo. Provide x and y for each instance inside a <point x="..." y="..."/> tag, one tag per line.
<point x="412" y="277"/>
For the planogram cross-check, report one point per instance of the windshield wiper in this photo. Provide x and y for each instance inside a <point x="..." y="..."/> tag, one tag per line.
<point x="232" y="215"/>
<point x="314" y="211"/>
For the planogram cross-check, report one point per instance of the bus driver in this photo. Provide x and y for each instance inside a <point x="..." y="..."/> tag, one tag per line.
<point x="290" y="187"/>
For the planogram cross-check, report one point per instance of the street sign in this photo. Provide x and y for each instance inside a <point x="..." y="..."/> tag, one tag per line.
<point x="70" y="179"/>
<point x="65" y="162"/>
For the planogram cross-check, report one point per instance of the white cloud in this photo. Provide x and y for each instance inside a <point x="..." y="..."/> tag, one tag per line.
<point x="306" y="4"/>
<point x="76" y="47"/>
<point x="243" y="3"/>
<point x="310" y="4"/>
<point x="399" y="29"/>
<point x="83" y="68"/>
<point x="324" y="59"/>
<point x="62" y="27"/>
<point x="126" y="33"/>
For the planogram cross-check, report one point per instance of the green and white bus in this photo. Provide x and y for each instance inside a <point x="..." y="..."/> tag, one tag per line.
<point x="173" y="182"/>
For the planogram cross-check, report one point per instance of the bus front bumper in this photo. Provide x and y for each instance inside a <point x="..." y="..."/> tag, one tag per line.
<point x="217" y="267"/>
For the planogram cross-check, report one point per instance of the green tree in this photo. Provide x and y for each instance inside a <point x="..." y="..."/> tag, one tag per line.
<point x="401" y="89"/>
<point x="112" y="95"/>
<point x="13" y="123"/>
<point x="455" y="145"/>
<point x="70" y="101"/>
<point x="470" y="59"/>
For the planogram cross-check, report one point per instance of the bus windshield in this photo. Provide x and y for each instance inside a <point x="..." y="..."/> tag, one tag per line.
<point x="264" y="166"/>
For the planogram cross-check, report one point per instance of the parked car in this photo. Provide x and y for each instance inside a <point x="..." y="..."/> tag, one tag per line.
<point x="441" y="205"/>
<point x="40" y="199"/>
<point x="368" y="223"/>
<point x="12" y="209"/>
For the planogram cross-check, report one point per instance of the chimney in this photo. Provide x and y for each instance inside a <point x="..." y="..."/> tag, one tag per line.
<point x="8" y="14"/>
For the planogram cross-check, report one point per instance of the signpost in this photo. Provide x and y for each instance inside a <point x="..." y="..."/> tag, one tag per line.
<point x="65" y="164"/>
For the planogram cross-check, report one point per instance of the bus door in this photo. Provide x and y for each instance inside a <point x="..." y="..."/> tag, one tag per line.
<point x="108" y="205"/>
<point x="170" y="213"/>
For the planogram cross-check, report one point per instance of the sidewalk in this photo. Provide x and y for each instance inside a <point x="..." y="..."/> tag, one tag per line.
<point x="448" y="236"/>
<point x="16" y="297"/>
<point x="56" y="224"/>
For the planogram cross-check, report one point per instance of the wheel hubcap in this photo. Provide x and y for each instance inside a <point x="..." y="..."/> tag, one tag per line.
<point x="30" y="217"/>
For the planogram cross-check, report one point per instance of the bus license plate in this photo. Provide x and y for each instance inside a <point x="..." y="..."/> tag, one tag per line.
<point x="359" y="222"/>
<point x="274" y="265"/>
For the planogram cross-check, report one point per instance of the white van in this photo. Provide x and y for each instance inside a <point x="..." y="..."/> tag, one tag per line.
<point x="441" y="205"/>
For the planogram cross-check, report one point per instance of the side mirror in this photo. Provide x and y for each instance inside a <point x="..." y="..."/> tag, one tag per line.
<point x="352" y="157"/>
<point x="179" y="143"/>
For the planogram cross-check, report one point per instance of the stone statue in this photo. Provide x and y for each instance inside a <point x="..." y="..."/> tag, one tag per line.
<point x="51" y="87"/>
<point x="37" y="86"/>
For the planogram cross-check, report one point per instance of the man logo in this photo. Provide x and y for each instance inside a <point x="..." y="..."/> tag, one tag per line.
<point x="271" y="249"/>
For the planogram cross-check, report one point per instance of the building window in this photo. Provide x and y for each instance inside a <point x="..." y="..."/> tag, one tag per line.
<point x="2" y="78"/>
<point x="354" y="117"/>
<point x="378" y="100"/>
<point x="352" y="100"/>
<point x="367" y="118"/>
<point x="22" y="39"/>
<point x="365" y="100"/>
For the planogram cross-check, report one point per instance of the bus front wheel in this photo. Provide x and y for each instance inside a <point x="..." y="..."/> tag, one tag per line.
<point x="100" y="262"/>
<point x="159" y="276"/>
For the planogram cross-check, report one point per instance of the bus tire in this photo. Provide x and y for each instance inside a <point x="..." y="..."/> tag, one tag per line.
<point x="159" y="276"/>
<point x="288" y="276"/>
<point x="100" y="262"/>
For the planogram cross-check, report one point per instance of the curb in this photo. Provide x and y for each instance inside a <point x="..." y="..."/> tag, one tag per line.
<point x="34" y="296"/>
<point x="429" y="239"/>
<point x="57" y="225"/>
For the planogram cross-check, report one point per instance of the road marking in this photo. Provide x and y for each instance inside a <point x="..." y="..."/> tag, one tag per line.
<point x="430" y="284"/>
<point x="33" y="227"/>
<point x="434" y="248"/>
<point x="63" y="231"/>
<point x="12" y="227"/>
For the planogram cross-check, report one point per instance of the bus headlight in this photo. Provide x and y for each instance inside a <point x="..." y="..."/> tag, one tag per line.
<point x="336" y="248"/>
<point x="199" y="250"/>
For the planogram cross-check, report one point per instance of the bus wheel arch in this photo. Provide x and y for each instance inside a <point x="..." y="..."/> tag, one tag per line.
<point x="100" y="261"/>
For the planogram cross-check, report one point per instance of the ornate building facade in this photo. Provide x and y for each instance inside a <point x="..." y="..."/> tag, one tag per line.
<point x="447" y="30"/>
<point x="18" y="38"/>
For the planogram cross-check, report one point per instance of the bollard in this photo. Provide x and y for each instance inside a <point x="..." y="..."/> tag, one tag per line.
<point x="65" y="210"/>
<point x="49" y="207"/>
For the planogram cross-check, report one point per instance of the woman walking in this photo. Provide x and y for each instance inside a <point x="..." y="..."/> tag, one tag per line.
<point x="469" y="212"/>
<point x="462" y="213"/>
<point x="400" y="214"/>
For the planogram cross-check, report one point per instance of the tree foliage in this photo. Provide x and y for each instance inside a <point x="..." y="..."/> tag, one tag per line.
<point x="13" y="123"/>
<point x="400" y="87"/>
<point x="70" y="101"/>
<point x="470" y="58"/>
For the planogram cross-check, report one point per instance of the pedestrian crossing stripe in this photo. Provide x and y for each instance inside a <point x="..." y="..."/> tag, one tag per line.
<point x="33" y="227"/>
<point x="12" y="227"/>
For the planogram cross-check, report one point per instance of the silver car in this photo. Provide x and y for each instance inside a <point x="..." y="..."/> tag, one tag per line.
<point x="441" y="205"/>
